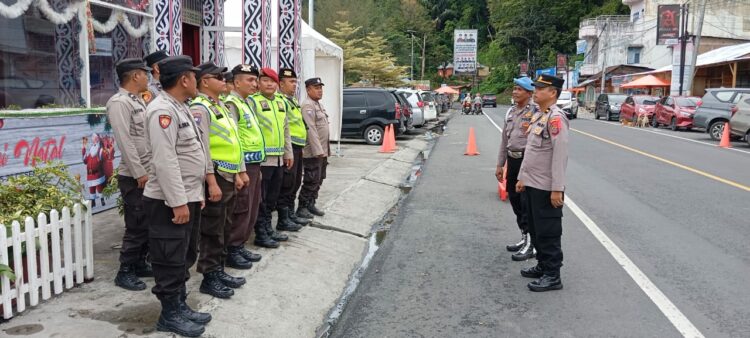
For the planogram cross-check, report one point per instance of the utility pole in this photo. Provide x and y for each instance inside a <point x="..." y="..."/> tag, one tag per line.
<point x="604" y="56"/>
<point x="424" y="47"/>
<point x="310" y="10"/>
<point x="411" y="67"/>
<point x="683" y="42"/>
<point x="698" y="32"/>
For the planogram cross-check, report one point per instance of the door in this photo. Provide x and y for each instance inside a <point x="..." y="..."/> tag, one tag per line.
<point x="354" y="112"/>
<point x="601" y="106"/>
<point x="191" y="42"/>
<point x="668" y="111"/>
<point x="376" y="103"/>
<point x="627" y="110"/>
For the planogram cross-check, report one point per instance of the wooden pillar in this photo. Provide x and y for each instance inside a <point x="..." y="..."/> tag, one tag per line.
<point x="733" y="69"/>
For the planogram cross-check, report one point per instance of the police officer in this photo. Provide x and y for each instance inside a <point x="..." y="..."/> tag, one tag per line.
<point x="271" y="110"/>
<point x="288" y="220"/>
<point x="225" y="174"/>
<point x="173" y="195"/>
<point x="154" y="88"/>
<point x="126" y="112"/>
<point x="316" y="150"/>
<point x="245" y="215"/>
<point x="229" y="78"/>
<point x="542" y="177"/>
<point x="512" y="146"/>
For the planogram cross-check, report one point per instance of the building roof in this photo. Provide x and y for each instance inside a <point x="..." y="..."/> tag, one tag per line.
<point x="716" y="56"/>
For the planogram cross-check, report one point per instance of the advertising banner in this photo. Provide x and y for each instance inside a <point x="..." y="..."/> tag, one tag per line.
<point x="668" y="25"/>
<point x="85" y="143"/>
<point x="465" y="50"/>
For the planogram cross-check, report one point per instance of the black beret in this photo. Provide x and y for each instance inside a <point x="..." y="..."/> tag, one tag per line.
<point x="287" y="73"/>
<point x="245" y="69"/>
<point x="126" y="65"/>
<point x="314" y="82"/>
<point x="175" y="65"/>
<point x="155" y="57"/>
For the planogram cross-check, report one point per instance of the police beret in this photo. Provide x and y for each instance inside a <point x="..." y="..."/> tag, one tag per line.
<point x="245" y="69"/>
<point x="287" y="73"/>
<point x="127" y="65"/>
<point x="175" y="65"/>
<point x="313" y="82"/>
<point x="525" y="83"/>
<point x="545" y="80"/>
<point x="269" y="72"/>
<point x="155" y="57"/>
<point x="209" y="68"/>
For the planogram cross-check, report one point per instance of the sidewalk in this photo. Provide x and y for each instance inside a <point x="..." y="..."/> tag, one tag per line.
<point x="288" y="294"/>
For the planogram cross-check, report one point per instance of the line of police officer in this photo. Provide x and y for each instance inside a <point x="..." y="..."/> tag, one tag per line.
<point x="535" y="148"/>
<point x="203" y="164"/>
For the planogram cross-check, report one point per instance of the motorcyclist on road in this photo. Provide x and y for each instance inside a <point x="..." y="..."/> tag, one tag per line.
<point x="477" y="104"/>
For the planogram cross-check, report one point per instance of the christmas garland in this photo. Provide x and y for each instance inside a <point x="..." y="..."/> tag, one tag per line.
<point x="55" y="17"/>
<point x="12" y="12"/>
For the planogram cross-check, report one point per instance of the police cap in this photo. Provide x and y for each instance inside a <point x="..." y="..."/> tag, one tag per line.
<point x="155" y="57"/>
<point x="316" y="81"/>
<point x="287" y="73"/>
<point x="545" y="80"/>
<point x="127" y="65"/>
<point x="245" y="69"/>
<point x="209" y="68"/>
<point x="175" y="65"/>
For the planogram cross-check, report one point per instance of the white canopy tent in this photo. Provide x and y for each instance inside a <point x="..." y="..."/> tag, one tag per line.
<point x="320" y="58"/>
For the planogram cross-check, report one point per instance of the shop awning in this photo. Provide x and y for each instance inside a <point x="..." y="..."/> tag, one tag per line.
<point x="446" y="90"/>
<point x="646" y="82"/>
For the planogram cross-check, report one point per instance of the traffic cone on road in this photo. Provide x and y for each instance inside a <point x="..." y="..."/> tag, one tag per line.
<point x="725" y="137"/>
<point x="389" y="141"/>
<point x="471" y="148"/>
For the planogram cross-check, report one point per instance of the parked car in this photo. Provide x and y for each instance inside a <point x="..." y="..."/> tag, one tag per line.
<point x="638" y="104"/>
<point x="416" y="103"/>
<point x="489" y="100"/>
<point x="740" y="121"/>
<point x="366" y="113"/>
<point x="569" y="104"/>
<point x="430" y="107"/>
<point x="675" y="111"/>
<point x="608" y="106"/>
<point x="405" y="108"/>
<point x="716" y="108"/>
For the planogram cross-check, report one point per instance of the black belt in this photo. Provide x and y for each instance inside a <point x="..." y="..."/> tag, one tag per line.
<point x="515" y="154"/>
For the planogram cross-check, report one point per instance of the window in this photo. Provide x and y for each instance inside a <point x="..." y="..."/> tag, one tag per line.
<point x="354" y="100"/>
<point x="39" y="62"/>
<point x="634" y="55"/>
<point x="724" y="96"/>
<point x="375" y="99"/>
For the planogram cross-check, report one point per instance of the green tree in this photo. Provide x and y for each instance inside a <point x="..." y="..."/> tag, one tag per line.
<point x="345" y="35"/>
<point x="381" y="68"/>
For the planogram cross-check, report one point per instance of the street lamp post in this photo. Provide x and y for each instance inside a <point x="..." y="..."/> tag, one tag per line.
<point x="411" y="68"/>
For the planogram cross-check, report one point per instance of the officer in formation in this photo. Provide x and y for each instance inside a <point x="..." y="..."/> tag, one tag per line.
<point x="512" y="147"/>
<point x="126" y="112"/>
<point x="542" y="177"/>
<point x="316" y="151"/>
<point x="225" y="174"/>
<point x="288" y="220"/>
<point x="174" y="194"/>
<point x="154" y="88"/>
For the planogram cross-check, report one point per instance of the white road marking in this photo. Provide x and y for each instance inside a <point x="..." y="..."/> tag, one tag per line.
<point x="675" y="316"/>
<point x="674" y="136"/>
<point x="493" y="122"/>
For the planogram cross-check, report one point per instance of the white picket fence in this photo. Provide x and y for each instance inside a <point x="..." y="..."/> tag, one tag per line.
<point x="64" y="249"/>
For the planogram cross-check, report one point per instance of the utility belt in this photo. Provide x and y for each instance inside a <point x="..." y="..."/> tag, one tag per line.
<point x="515" y="154"/>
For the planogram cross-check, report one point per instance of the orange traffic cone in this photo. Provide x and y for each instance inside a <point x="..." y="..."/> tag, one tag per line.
<point x="471" y="148"/>
<point x="392" y="138"/>
<point x="389" y="143"/>
<point x="725" y="137"/>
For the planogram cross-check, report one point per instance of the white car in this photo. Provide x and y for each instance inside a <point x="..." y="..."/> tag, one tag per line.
<point x="417" y="114"/>
<point x="430" y="107"/>
<point x="569" y="104"/>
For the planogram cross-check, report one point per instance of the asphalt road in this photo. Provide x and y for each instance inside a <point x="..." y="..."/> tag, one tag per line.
<point x="676" y="208"/>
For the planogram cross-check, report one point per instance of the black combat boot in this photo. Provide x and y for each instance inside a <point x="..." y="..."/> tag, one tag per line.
<point x="212" y="285"/>
<point x="314" y="210"/>
<point x="515" y="247"/>
<point x="127" y="279"/>
<point x="262" y="238"/>
<point x="285" y="223"/>
<point x="275" y="235"/>
<point x="532" y="272"/>
<point x="235" y="259"/>
<point x="143" y="269"/>
<point x="525" y="253"/>
<point x="303" y="212"/>
<point x="251" y="256"/>
<point x="230" y="281"/>
<point x="546" y="283"/>
<point x="172" y="320"/>
<point x="194" y="316"/>
<point x="296" y="219"/>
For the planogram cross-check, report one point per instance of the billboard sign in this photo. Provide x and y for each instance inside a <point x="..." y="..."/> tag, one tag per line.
<point x="465" y="50"/>
<point x="547" y="71"/>
<point x="668" y="25"/>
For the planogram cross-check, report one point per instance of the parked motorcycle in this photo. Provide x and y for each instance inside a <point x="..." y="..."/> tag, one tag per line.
<point x="477" y="108"/>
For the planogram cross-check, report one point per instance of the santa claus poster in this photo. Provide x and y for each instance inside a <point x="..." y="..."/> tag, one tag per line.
<point x="83" y="142"/>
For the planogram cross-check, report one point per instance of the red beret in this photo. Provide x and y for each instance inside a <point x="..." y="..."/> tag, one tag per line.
<point x="269" y="72"/>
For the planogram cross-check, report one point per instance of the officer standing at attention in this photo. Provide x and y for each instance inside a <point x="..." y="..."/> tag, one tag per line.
<point x="542" y="176"/>
<point x="316" y="150"/>
<point x="512" y="146"/>
<point x="225" y="173"/>
<point x="173" y="196"/>
<point x="126" y="112"/>
<point x="246" y="206"/>
<point x="288" y="220"/>
<point x="271" y="110"/>
<point x="152" y="60"/>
